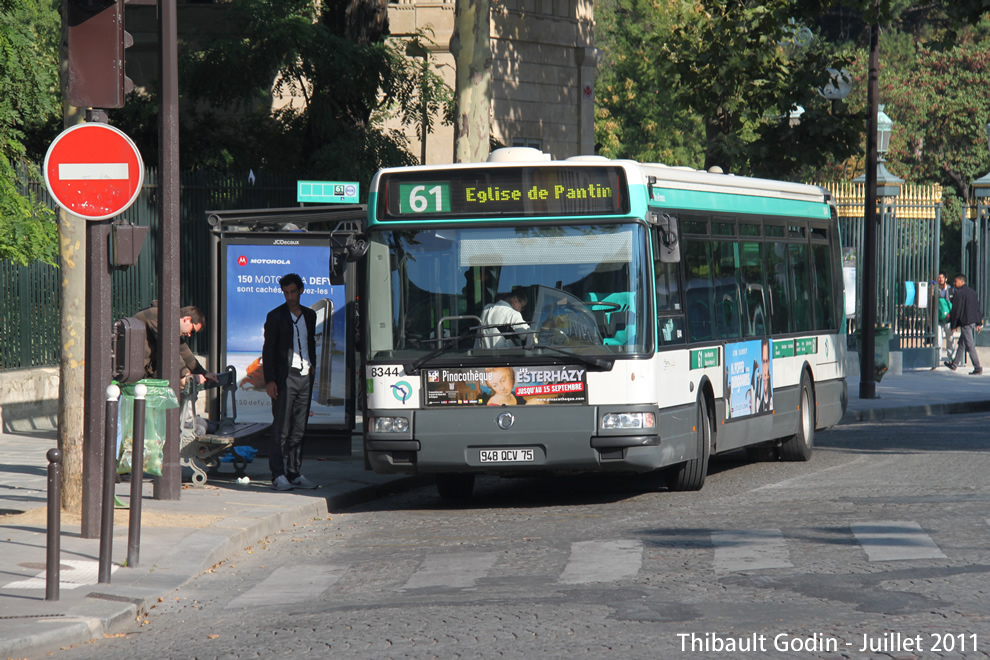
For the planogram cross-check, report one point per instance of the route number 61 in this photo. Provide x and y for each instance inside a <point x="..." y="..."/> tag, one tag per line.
<point x="424" y="198"/>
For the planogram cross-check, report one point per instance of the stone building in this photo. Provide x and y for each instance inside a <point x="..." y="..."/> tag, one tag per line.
<point x="543" y="72"/>
<point x="543" y="65"/>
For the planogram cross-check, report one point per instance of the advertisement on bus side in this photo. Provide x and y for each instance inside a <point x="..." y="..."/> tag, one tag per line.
<point x="506" y="386"/>
<point x="251" y="289"/>
<point x="749" y="377"/>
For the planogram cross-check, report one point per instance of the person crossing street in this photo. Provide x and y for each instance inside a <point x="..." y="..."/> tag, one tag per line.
<point x="967" y="315"/>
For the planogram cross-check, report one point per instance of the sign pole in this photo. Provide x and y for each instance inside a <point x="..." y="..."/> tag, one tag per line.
<point x="169" y="485"/>
<point x="98" y="311"/>
<point x="95" y="172"/>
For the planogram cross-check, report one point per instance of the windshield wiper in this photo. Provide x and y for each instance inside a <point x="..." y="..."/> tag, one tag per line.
<point x="452" y="342"/>
<point x="448" y="343"/>
<point x="596" y="362"/>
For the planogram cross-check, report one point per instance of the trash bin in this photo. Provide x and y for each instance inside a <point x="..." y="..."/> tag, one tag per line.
<point x="159" y="398"/>
<point x="881" y="349"/>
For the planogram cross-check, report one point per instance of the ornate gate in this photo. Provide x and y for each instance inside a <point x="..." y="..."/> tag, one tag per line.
<point x="907" y="257"/>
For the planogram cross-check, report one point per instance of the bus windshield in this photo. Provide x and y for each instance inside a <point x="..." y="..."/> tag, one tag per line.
<point x="508" y="292"/>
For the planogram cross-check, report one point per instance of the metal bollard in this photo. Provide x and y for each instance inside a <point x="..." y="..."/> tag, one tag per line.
<point x="137" y="477"/>
<point x="53" y="558"/>
<point x="109" y="478"/>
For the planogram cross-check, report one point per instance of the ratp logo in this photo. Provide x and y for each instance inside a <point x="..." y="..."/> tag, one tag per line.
<point x="242" y="260"/>
<point x="402" y="391"/>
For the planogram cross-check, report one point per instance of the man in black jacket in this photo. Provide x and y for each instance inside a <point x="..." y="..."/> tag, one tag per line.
<point x="967" y="315"/>
<point x="288" y="359"/>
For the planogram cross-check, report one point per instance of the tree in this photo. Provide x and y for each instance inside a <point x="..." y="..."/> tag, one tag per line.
<point x="472" y="50"/>
<point x="295" y="85"/>
<point x="707" y="82"/>
<point x="744" y="67"/>
<point x="636" y="114"/>
<point x="29" y="94"/>
<point x="424" y="97"/>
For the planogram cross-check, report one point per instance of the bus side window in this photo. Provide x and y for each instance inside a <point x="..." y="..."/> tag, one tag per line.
<point x="778" y="277"/>
<point x="672" y="330"/>
<point x="725" y="263"/>
<point x="751" y="281"/>
<point x="667" y="287"/>
<point x="824" y="298"/>
<point x="801" y="304"/>
<point x="699" y="293"/>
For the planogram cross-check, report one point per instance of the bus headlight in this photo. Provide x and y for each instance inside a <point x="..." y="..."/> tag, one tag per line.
<point x="618" y="421"/>
<point x="391" y="425"/>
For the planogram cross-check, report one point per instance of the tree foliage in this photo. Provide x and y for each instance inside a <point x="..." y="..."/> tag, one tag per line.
<point x="29" y="95"/>
<point x="744" y="67"/>
<point x="637" y="113"/>
<point x="941" y="107"/>
<point x="713" y="82"/>
<point x="294" y="85"/>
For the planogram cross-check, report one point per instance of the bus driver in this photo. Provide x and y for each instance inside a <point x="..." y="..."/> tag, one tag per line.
<point x="501" y="319"/>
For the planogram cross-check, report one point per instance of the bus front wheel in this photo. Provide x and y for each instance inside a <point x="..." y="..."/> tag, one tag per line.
<point x="455" y="486"/>
<point x="691" y="474"/>
<point x="799" y="446"/>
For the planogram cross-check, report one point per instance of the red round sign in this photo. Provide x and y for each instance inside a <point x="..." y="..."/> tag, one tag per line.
<point x="94" y="171"/>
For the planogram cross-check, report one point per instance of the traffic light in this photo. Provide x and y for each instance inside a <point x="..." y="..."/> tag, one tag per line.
<point x="127" y="354"/>
<point x="95" y="51"/>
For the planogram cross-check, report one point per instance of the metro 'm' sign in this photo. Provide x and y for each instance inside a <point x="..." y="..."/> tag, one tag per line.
<point x="94" y="171"/>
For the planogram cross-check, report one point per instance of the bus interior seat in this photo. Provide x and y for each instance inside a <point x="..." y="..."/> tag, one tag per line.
<point x="618" y="325"/>
<point x="728" y="318"/>
<point x="699" y="317"/>
<point x="758" y="327"/>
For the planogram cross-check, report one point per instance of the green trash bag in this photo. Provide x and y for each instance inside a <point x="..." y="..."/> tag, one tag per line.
<point x="160" y="398"/>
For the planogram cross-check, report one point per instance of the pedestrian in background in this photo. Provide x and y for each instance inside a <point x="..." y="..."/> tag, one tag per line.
<point x="943" y="305"/>
<point x="967" y="315"/>
<point x="288" y="358"/>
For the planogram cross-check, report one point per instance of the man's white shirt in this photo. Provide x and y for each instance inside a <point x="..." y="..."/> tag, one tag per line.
<point x="500" y="314"/>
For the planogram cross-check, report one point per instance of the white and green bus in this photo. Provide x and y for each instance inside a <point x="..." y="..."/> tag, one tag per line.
<point x="525" y="316"/>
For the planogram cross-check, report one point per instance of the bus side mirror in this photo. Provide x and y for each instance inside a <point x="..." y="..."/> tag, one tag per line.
<point x="340" y="255"/>
<point x="127" y="359"/>
<point x="670" y="251"/>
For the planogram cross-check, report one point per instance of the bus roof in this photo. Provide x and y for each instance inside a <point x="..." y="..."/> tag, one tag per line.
<point x="647" y="182"/>
<point x="666" y="175"/>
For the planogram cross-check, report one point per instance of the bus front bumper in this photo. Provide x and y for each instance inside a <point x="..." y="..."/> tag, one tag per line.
<point x="517" y="440"/>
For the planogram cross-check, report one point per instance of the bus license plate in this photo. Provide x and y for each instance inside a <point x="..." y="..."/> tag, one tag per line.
<point x="507" y="456"/>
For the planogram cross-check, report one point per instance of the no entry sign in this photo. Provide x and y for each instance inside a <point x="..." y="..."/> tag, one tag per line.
<point x="94" y="171"/>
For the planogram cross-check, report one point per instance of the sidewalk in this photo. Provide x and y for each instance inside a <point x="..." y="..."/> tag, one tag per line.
<point x="182" y="539"/>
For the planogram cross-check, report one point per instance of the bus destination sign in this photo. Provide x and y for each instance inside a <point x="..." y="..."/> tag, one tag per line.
<point x="526" y="191"/>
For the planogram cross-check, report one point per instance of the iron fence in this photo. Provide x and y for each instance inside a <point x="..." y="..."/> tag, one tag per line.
<point x="907" y="255"/>
<point x="30" y="300"/>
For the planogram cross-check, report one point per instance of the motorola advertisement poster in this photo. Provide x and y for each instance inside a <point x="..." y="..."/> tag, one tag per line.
<point x="252" y="269"/>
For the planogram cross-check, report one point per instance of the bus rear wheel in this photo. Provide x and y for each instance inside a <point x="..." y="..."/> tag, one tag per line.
<point x="800" y="445"/>
<point x="455" y="487"/>
<point x="691" y="474"/>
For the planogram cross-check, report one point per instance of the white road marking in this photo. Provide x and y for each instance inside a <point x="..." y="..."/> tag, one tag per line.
<point x="454" y="570"/>
<point x="602" y="561"/>
<point x="291" y="584"/>
<point x="81" y="572"/>
<point x="749" y="550"/>
<point x="894" y="540"/>
<point x="87" y="171"/>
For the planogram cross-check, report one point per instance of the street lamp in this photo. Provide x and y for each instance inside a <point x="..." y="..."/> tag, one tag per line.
<point x="879" y="185"/>
<point x="884" y="127"/>
<point x="888" y="185"/>
<point x="976" y="232"/>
